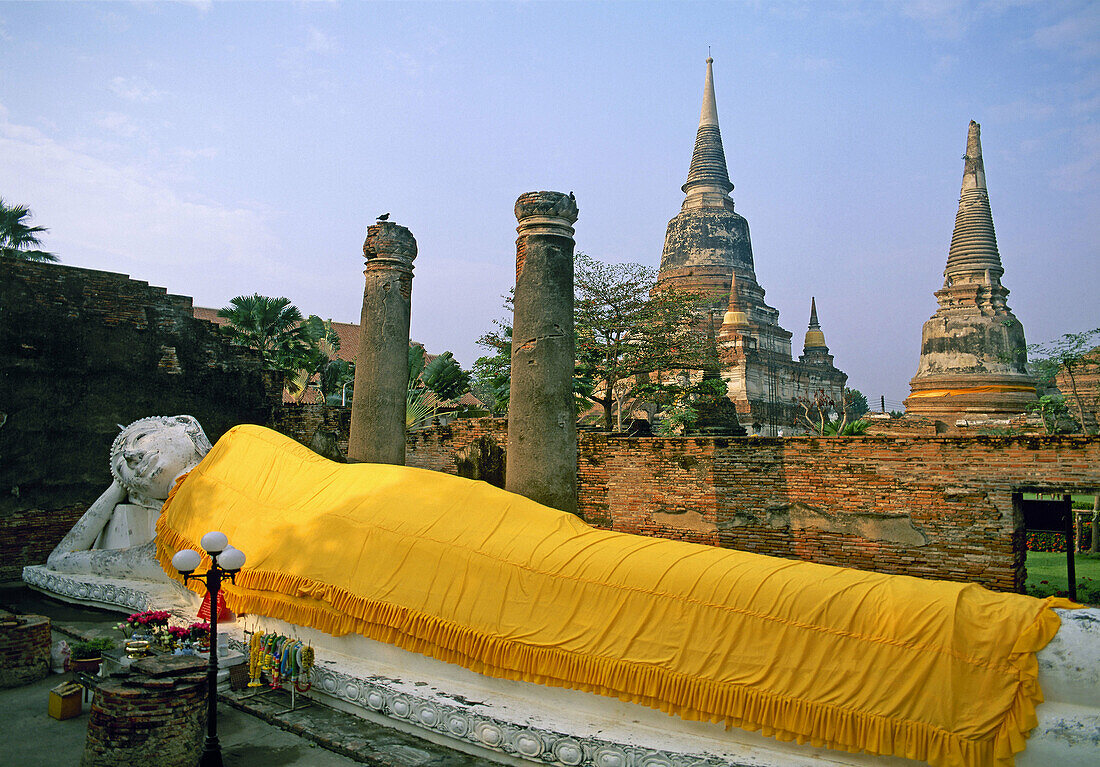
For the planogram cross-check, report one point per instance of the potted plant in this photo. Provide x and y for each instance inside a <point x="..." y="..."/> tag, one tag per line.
<point x="87" y="656"/>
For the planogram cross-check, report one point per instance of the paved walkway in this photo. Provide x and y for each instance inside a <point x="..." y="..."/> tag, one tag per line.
<point x="252" y="732"/>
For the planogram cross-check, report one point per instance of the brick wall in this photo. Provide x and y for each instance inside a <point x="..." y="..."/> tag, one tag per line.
<point x="81" y="351"/>
<point x="938" y="507"/>
<point x="935" y="507"/>
<point x="24" y="649"/>
<point x="300" y="421"/>
<point x="435" y="448"/>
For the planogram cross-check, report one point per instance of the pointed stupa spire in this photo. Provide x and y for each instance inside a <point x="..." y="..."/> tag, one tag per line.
<point x="735" y="315"/>
<point x="815" y="339"/>
<point x="973" y="255"/>
<point x="708" y="173"/>
<point x="973" y="361"/>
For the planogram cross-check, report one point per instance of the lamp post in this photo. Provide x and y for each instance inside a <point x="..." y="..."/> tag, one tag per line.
<point x="224" y="561"/>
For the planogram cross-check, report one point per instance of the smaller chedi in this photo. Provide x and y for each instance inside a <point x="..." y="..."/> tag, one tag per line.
<point x="973" y="353"/>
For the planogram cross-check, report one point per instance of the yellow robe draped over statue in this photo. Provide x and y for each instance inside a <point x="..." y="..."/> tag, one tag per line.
<point x="470" y="574"/>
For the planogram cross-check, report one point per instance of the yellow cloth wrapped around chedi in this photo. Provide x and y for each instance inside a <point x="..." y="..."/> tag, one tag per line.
<point x="473" y="575"/>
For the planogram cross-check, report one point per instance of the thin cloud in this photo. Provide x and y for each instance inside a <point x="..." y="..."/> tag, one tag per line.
<point x="134" y="89"/>
<point x="320" y="42"/>
<point x="118" y="123"/>
<point x="1080" y="174"/>
<point x="1078" y="34"/>
<point x="1021" y="110"/>
<point x="947" y="19"/>
<point x="113" y="214"/>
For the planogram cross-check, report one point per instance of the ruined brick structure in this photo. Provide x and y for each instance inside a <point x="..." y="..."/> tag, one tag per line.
<point x="82" y="351"/>
<point x="24" y="648"/>
<point x="922" y="505"/>
<point x="934" y="507"/>
<point x="973" y="354"/>
<point x="154" y="715"/>
<point x="707" y="250"/>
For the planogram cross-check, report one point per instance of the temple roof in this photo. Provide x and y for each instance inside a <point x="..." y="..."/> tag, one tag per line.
<point x="708" y="161"/>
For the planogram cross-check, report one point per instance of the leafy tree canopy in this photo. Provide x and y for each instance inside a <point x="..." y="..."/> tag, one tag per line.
<point x="19" y="240"/>
<point x="271" y="326"/>
<point x="856" y="403"/>
<point x="1074" y="354"/>
<point x="630" y="337"/>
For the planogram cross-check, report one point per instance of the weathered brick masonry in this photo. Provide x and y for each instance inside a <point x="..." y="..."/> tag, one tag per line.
<point x="435" y="448"/>
<point x="938" y="507"/>
<point x="82" y="351"/>
<point x="933" y="507"/>
<point x="24" y="648"/>
<point x="153" y="716"/>
<point x="301" y="420"/>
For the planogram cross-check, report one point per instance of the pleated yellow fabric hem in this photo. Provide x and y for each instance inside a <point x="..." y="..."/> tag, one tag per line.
<point x="263" y="593"/>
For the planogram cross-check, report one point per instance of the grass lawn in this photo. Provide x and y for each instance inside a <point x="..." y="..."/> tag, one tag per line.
<point x="1078" y="501"/>
<point x="1046" y="575"/>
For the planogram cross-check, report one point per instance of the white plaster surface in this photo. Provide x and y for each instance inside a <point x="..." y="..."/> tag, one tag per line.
<point x="499" y="719"/>
<point x="130" y="525"/>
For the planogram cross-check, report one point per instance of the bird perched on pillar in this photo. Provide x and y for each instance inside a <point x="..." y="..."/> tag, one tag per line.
<point x="384" y="217"/>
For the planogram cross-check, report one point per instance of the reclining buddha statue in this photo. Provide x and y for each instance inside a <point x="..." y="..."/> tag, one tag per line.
<point x="482" y="580"/>
<point x="472" y="575"/>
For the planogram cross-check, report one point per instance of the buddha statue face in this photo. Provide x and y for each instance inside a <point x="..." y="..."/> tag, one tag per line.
<point x="149" y="454"/>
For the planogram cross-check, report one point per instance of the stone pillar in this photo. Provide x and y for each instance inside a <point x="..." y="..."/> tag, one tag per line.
<point x="155" y="714"/>
<point x="542" y="422"/>
<point x="382" y="366"/>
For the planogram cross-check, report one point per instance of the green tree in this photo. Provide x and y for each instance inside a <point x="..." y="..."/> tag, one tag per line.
<point x="271" y="326"/>
<point x="1076" y="355"/>
<point x="629" y="337"/>
<point x="856" y="403"/>
<point x="308" y="360"/>
<point x="1050" y="408"/>
<point x="492" y="374"/>
<point x="337" y="382"/>
<point x="19" y="240"/>
<point x="828" y="417"/>
<point x="431" y="383"/>
<point x="443" y="375"/>
<point x="491" y="377"/>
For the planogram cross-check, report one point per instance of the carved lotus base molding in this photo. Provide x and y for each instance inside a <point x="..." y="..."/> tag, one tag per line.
<point x="108" y="593"/>
<point x="378" y="695"/>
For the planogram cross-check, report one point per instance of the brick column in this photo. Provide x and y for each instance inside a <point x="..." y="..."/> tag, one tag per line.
<point x="153" y="716"/>
<point x="24" y="649"/>
<point x="542" y="422"/>
<point x="382" y="365"/>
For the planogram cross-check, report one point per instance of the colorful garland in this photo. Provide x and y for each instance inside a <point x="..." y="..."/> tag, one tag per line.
<point x="282" y="658"/>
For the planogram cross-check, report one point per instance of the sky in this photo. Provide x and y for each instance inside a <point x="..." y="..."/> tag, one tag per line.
<point x="219" y="149"/>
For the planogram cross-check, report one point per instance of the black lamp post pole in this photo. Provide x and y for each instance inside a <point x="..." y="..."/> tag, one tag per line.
<point x="211" y="748"/>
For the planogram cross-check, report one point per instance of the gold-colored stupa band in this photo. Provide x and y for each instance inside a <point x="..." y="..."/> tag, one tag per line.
<point x="972" y="390"/>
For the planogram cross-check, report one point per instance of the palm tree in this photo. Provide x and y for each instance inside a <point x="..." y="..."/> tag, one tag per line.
<point x="17" y="238"/>
<point x="271" y="326"/>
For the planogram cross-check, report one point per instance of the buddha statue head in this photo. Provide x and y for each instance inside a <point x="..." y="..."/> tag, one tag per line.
<point x="149" y="454"/>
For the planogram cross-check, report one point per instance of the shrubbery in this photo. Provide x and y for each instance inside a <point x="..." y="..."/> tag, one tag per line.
<point x="1038" y="541"/>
